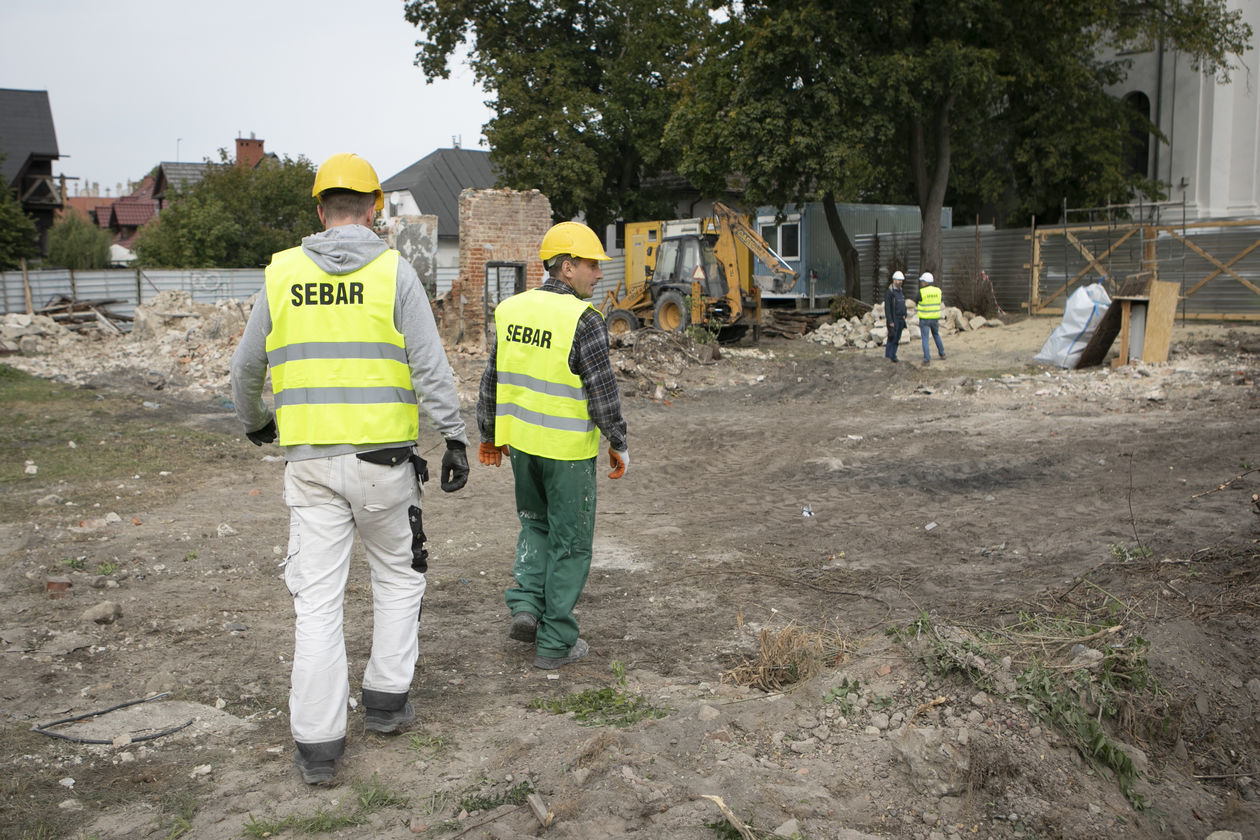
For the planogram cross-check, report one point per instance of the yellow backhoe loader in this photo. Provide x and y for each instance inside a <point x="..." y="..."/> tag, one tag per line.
<point x="695" y="271"/>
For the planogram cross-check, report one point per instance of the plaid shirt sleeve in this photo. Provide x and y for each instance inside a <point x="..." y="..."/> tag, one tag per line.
<point x="589" y="360"/>
<point x="486" y="398"/>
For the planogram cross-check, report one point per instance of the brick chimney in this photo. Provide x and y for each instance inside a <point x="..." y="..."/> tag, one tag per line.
<point x="248" y="152"/>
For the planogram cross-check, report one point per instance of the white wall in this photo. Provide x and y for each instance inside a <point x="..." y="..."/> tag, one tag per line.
<point x="1212" y="157"/>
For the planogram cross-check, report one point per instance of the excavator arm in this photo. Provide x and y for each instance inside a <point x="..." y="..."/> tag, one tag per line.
<point x="784" y="275"/>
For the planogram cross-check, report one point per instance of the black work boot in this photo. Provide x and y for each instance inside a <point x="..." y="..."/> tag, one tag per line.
<point x="524" y="627"/>
<point x="318" y="762"/>
<point x="385" y="711"/>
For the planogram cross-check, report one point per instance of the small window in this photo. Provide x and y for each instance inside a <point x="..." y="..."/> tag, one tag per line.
<point x="1137" y="153"/>
<point x="789" y="241"/>
<point x="770" y="233"/>
<point x="619" y="236"/>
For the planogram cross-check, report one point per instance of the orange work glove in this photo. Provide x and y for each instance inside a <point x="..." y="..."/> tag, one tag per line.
<point x="619" y="461"/>
<point x="491" y="455"/>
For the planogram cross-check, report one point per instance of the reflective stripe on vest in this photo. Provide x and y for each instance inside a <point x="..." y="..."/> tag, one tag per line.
<point x="339" y="367"/>
<point x="540" y="405"/>
<point x="930" y="303"/>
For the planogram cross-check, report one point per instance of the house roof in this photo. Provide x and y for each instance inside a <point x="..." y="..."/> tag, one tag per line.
<point x="135" y="212"/>
<point x="436" y="180"/>
<point x="85" y="205"/>
<point x="26" y="130"/>
<point x="174" y="174"/>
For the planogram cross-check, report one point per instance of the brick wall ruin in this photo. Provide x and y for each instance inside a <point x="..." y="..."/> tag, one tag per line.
<point x="415" y="237"/>
<point x="495" y="226"/>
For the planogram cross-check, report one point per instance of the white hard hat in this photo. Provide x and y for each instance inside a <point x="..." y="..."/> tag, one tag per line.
<point x="897" y="275"/>
<point x="926" y="277"/>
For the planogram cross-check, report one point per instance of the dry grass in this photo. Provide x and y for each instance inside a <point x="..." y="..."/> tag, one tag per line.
<point x="788" y="657"/>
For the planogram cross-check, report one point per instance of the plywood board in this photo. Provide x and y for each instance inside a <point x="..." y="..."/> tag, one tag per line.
<point x="1160" y="317"/>
<point x="1100" y="342"/>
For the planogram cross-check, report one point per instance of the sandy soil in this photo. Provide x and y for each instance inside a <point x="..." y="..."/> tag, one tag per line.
<point x="912" y="520"/>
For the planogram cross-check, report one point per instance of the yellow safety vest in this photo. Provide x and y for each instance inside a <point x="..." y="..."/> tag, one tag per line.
<point x="339" y="367"/>
<point x="540" y="405"/>
<point x="929" y="303"/>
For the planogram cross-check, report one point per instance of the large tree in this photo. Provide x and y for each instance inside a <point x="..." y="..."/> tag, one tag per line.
<point x="75" y="242"/>
<point x="19" y="239"/>
<point x="1019" y="87"/>
<point x="774" y="99"/>
<point x="235" y="217"/>
<point x="581" y="91"/>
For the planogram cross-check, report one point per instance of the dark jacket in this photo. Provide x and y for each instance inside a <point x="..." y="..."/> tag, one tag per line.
<point x="894" y="305"/>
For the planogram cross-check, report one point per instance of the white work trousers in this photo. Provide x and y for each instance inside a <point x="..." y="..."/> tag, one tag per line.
<point x="329" y="499"/>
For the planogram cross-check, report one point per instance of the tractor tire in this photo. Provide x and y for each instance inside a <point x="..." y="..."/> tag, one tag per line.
<point x="671" y="313"/>
<point x="621" y="321"/>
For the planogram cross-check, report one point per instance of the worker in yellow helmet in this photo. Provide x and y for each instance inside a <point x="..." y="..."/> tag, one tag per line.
<point x="347" y="331"/>
<point x="547" y="392"/>
<point x="929" y="311"/>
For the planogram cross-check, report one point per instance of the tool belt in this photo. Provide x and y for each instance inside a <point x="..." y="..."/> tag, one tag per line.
<point x="394" y="456"/>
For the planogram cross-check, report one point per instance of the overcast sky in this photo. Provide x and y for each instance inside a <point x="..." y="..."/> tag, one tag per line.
<point x="133" y="83"/>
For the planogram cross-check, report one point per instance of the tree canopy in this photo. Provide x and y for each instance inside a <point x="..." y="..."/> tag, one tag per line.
<point x="74" y="242"/>
<point x="235" y="217"/>
<point x="995" y="104"/>
<point x="581" y="91"/>
<point x="19" y="239"/>
<point x="983" y="101"/>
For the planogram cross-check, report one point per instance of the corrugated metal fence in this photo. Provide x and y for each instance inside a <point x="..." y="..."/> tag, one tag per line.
<point x="1217" y="265"/>
<point x="128" y="286"/>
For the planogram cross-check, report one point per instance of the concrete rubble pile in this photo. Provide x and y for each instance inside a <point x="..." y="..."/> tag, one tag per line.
<point x="871" y="331"/>
<point x="648" y="361"/>
<point x="174" y="341"/>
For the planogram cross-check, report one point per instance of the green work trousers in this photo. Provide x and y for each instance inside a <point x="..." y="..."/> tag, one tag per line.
<point x="555" y="501"/>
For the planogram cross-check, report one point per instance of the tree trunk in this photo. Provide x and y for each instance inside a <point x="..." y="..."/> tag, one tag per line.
<point x="930" y="184"/>
<point x="848" y="254"/>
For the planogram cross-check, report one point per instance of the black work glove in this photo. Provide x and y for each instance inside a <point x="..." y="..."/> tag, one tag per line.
<point x="454" y="466"/>
<point x="266" y="434"/>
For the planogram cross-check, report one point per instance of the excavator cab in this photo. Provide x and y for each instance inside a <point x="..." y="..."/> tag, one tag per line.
<point x="682" y="260"/>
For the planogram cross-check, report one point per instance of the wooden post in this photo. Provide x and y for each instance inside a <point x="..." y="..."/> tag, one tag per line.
<point x="1034" y="274"/>
<point x="1150" y="261"/>
<point x="26" y="287"/>
<point x="74" y="288"/>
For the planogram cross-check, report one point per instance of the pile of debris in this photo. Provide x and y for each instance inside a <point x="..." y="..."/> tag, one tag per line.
<point x="870" y="330"/>
<point x="648" y="361"/>
<point x="81" y="314"/>
<point x="173" y="341"/>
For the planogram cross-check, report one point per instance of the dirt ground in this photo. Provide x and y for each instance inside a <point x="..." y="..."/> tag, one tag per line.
<point x="929" y="533"/>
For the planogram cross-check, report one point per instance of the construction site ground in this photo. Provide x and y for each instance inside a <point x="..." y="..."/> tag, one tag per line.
<point x="981" y="599"/>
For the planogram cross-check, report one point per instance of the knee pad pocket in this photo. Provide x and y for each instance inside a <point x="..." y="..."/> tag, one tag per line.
<point x="419" y="554"/>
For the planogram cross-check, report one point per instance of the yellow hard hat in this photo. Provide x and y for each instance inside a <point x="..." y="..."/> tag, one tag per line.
<point x="348" y="171"/>
<point x="572" y="238"/>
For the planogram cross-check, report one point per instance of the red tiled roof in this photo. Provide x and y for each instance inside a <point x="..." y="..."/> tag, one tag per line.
<point x="133" y="213"/>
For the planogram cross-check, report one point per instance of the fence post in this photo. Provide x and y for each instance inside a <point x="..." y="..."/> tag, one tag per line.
<point x="74" y="288"/>
<point x="26" y="289"/>
<point x="1034" y="273"/>
<point x="139" y="298"/>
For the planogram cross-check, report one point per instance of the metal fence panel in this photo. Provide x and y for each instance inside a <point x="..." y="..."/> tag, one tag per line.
<point x="1218" y="269"/>
<point x="1224" y="293"/>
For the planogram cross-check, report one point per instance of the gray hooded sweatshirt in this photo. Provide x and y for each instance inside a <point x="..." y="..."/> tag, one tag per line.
<point x="341" y="250"/>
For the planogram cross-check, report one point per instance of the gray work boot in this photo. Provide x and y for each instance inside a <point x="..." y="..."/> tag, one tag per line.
<point x="318" y="762"/>
<point x="314" y="771"/>
<point x="580" y="649"/>
<point x="524" y="627"/>
<point x="387" y="722"/>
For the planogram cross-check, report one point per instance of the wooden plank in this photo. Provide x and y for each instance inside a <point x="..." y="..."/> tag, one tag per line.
<point x="1100" y="342"/>
<point x="1123" y="357"/>
<point x="1160" y="317"/>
